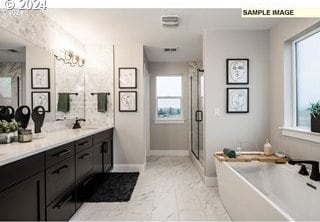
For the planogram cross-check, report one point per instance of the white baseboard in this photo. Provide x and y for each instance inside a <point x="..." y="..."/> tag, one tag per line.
<point x="128" y="168"/>
<point x="211" y="181"/>
<point x="168" y="153"/>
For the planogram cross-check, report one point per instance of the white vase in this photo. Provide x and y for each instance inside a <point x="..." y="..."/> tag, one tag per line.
<point x="7" y="137"/>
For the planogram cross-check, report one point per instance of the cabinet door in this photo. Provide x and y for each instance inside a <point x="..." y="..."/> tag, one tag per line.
<point x="24" y="201"/>
<point x="107" y="154"/>
<point x="97" y="159"/>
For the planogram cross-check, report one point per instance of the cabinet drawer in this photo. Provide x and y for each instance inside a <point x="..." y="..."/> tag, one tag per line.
<point x="17" y="171"/>
<point x="100" y="137"/>
<point x="63" y="208"/>
<point x="58" y="154"/>
<point x="83" y="144"/>
<point x="59" y="178"/>
<point x="84" y="189"/>
<point x="83" y="163"/>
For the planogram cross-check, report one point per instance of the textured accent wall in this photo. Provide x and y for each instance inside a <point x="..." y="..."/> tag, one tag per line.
<point x="99" y="78"/>
<point x="38" y="29"/>
<point x="70" y="80"/>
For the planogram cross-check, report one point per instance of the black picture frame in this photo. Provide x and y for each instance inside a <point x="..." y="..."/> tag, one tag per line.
<point x="46" y="85"/>
<point x="134" y="75"/>
<point x="135" y="102"/>
<point x="34" y="104"/>
<point x="237" y="63"/>
<point x="229" y="94"/>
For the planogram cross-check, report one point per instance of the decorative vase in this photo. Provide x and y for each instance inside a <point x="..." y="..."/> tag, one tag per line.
<point x="7" y="137"/>
<point x="315" y="124"/>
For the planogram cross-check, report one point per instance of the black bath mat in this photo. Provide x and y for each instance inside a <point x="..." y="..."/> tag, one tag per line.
<point x="113" y="187"/>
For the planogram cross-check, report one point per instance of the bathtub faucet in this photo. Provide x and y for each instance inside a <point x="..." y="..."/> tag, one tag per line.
<point x="315" y="175"/>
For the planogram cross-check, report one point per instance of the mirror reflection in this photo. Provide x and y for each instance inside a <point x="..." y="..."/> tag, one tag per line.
<point x="12" y="63"/>
<point x="70" y="99"/>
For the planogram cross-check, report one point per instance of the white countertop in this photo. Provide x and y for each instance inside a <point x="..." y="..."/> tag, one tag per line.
<point x="16" y="151"/>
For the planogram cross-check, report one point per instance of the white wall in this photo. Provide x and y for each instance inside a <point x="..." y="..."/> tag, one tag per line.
<point x="169" y="136"/>
<point x="129" y="134"/>
<point x="227" y="130"/>
<point x="279" y="95"/>
<point x="40" y="58"/>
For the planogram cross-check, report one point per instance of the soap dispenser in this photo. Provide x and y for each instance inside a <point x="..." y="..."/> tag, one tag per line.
<point x="267" y="148"/>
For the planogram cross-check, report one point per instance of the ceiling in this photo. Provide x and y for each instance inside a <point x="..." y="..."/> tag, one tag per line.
<point x="143" y="26"/>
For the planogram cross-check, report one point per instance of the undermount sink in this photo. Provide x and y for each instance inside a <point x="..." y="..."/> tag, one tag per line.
<point x="88" y="128"/>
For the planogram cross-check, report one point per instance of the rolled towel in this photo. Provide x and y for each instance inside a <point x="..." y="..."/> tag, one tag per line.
<point x="229" y="153"/>
<point x="102" y="102"/>
<point x="63" y="102"/>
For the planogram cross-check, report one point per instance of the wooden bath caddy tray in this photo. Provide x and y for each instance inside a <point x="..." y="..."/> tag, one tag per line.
<point x="251" y="156"/>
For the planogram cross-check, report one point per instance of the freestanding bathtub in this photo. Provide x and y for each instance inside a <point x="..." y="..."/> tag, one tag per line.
<point x="267" y="191"/>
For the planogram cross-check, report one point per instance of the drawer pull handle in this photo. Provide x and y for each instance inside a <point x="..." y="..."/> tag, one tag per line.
<point x="84" y="156"/>
<point x="63" y="202"/>
<point x="83" y="143"/>
<point x="62" y="153"/>
<point x="87" y="181"/>
<point x="59" y="169"/>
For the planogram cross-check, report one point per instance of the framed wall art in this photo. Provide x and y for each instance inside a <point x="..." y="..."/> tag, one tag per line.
<point x="40" y="78"/>
<point x="237" y="71"/>
<point x="237" y="100"/>
<point x="41" y="99"/>
<point x="127" y="78"/>
<point x="127" y="101"/>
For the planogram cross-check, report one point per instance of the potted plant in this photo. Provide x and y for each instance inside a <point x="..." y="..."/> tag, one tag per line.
<point x="8" y="131"/>
<point x="315" y="117"/>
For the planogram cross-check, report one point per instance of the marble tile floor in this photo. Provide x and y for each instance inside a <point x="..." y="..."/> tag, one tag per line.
<point x="170" y="189"/>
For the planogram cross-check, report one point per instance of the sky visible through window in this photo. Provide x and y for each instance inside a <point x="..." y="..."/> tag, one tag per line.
<point x="169" y="97"/>
<point x="308" y="76"/>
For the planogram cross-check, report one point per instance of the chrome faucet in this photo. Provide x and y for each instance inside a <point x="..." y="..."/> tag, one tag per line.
<point x="315" y="175"/>
<point x="77" y="125"/>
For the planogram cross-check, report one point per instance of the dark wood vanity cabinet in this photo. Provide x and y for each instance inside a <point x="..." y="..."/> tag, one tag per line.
<point x="52" y="185"/>
<point x="22" y="189"/>
<point x="103" y="152"/>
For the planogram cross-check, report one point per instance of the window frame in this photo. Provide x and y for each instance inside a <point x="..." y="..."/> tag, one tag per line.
<point x="295" y="75"/>
<point x="158" y="120"/>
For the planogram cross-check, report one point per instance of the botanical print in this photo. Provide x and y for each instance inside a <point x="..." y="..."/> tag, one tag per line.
<point x="238" y="100"/>
<point x="127" y="78"/>
<point x="237" y="71"/>
<point x="128" y="101"/>
<point x="41" y="99"/>
<point x="40" y="78"/>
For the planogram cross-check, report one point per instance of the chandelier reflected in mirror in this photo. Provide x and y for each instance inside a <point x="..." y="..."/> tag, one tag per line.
<point x="70" y="58"/>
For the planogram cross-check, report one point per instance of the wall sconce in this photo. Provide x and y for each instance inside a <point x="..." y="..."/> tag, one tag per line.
<point x="71" y="59"/>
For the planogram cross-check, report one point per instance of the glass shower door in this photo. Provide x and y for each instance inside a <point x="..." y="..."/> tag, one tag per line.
<point x="197" y="102"/>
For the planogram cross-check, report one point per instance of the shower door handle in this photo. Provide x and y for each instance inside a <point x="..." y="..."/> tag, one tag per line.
<point x="199" y="116"/>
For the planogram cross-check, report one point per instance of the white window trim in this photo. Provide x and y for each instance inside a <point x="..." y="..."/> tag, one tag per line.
<point x="300" y="133"/>
<point x="293" y="130"/>
<point x="179" y="120"/>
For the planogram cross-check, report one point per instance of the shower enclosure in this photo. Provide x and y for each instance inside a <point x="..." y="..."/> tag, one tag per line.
<point x="197" y="102"/>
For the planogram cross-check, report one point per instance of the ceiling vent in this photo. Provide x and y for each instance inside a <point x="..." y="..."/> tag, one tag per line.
<point x="170" y="21"/>
<point x="170" y="49"/>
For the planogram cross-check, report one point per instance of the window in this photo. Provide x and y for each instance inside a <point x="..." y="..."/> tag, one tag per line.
<point x="307" y="76"/>
<point x="169" y="96"/>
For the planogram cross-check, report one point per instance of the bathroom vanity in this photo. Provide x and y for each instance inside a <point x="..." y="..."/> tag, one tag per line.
<point x="47" y="178"/>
